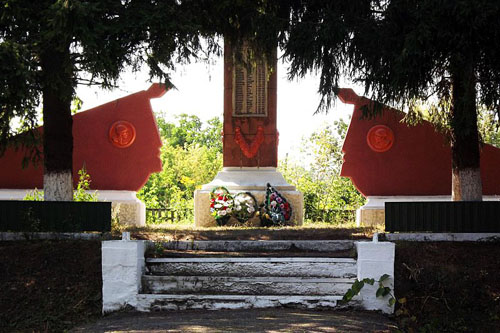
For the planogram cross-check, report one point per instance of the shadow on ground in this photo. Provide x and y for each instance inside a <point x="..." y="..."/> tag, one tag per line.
<point x="261" y="320"/>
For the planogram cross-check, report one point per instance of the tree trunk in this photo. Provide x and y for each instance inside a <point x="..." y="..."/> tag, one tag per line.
<point x="57" y="124"/>
<point x="465" y="150"/>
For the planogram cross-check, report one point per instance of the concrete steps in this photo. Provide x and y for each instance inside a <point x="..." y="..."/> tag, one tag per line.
<point x="320" y="246"/>
<point x="150" y="302"/>
<point x="256" y="266"/>
<point x="257" y="285"/>
<point x="139" y="274"/>
<point x="226" y="281"/>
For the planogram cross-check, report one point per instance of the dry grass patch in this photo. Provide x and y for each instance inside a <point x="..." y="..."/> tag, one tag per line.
<point x="309" y="231"/>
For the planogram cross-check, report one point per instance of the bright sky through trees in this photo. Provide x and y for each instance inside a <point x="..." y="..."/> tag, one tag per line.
<point x="200" y="92"/>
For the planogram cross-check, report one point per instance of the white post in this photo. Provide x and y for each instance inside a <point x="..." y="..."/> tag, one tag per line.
<point x="374" y="260"/>
<point x="122" y="269"/>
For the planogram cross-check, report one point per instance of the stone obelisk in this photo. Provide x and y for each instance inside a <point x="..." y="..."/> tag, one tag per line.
<point x="250" y="138"/>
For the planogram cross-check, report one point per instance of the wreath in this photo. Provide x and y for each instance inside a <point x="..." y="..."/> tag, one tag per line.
<point x="245" y="206"/>
<point x="277" y="210"/>
<point x="221" y="205"/>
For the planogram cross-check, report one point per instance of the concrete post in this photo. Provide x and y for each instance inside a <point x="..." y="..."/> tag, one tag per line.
<point x="374" y="260"/>
<point x="122" y="268"/>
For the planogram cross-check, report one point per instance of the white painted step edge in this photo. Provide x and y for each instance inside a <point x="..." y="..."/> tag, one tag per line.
<point x="195" y="297"/>
<point x="286" y="279"/>
<point x="252" y="260"/>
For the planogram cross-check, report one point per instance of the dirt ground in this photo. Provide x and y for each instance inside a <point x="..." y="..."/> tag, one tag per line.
<point x="448" y="287"/>
<point x="256" y="320"/>
<point x="49" y="286"/>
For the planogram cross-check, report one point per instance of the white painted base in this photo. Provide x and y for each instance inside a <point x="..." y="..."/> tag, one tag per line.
<point x="126" y="208"/>
<point x="373" y="212"/>
<point x="58" y="186"/>
<point x="249" y="179"/>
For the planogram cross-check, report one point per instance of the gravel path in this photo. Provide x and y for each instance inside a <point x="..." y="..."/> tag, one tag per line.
<point x="255" y="320"/>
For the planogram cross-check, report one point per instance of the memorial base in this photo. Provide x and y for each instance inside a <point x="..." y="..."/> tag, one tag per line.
<point x="126" y="209"/>
<point x="253" y="180"/>
<point x="369" y="217"/>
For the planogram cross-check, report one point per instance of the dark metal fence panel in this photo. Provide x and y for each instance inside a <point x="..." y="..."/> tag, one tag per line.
<point x="158" y="215"/>
<point x="58" y="216"/>
<point x="443" y="216"/>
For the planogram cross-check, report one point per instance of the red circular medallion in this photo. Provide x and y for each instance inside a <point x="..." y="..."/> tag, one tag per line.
<point x="380" y="138"/>
<point x="122" y="134"/>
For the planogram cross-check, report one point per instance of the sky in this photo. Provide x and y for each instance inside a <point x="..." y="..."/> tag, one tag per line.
<point x="199" y="91"/>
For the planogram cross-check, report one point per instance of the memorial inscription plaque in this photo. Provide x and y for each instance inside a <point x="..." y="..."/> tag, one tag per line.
<point x="250" y="90"/>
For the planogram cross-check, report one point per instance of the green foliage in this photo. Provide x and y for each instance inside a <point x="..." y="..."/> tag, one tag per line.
<point x="487" y="119"/>
<point x="400" y="50"/>
<point x="382" y="290"/>
<point x="35" y="195"/>
<point x="80" y="194"/>
<point x="189" y="130"/>
<point x="488" y="126"/>
<point x="190" y="157"/>
<point x="76" y="105"/>
<point x="320" y="182"/>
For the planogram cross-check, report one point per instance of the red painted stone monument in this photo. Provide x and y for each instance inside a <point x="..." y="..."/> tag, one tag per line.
<point x="388" y="160"/>
<point x="250" y="133"/>
<point x="250" y="138"/>
<point x="117" y="142"/>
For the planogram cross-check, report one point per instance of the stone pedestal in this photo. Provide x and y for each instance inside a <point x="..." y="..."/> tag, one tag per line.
<point x="126" y="209"/>
<point x="247" y="179"/>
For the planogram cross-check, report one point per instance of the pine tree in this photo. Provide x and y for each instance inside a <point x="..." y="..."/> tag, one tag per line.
<point x="48" y="47"/>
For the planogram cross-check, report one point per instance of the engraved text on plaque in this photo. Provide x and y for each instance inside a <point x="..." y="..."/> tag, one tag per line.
<point x="250" y="90"/>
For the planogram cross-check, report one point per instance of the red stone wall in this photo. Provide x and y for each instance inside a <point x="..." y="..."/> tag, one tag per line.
<point x="110" y="167"/>
<point x="417" y="163"/>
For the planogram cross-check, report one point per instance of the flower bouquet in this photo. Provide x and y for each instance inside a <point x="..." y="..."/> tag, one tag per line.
<point x="221" y="205"/>
<point x="277" y="211"/>
<point x="245" y="206"/>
